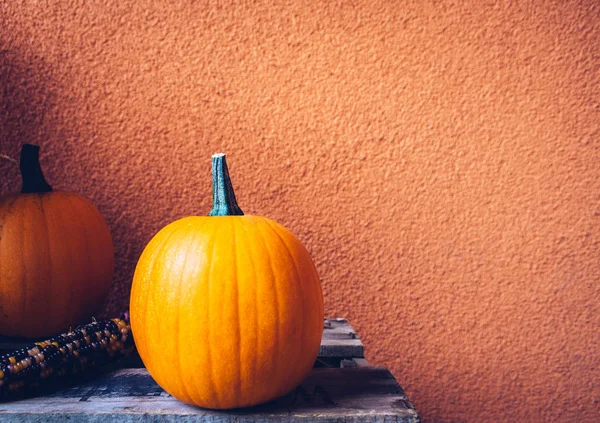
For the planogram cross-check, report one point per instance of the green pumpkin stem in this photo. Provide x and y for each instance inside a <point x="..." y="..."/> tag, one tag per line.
<point x="224" y="202"/>
<point x="31" y="171"/>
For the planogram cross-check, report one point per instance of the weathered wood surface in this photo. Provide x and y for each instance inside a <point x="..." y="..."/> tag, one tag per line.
<point x="339" y="340"/>
<point x="359" y="394"/>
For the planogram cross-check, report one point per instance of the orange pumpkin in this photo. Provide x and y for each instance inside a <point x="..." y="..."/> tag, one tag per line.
<point x="226" y="310"/>
<point x="56" y="256"/>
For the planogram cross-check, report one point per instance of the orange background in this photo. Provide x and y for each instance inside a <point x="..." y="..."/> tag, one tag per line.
<point x="439" y="161"/>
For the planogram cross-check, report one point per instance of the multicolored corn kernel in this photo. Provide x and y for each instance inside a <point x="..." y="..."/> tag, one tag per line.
<point x="66" y="354"/>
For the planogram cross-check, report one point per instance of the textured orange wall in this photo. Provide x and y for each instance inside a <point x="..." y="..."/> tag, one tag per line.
<point x="438" y="159"/>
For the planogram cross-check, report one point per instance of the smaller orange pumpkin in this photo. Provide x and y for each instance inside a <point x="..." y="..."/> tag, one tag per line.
<point x="56" y="256"/>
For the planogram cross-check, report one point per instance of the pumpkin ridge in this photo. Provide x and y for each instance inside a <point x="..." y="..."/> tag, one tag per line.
<point x="24" y="266"/>
<point x="11" y="205"/>
<point x="48" y="246"/>
<point x="206" y="277"/>
<point x="2" y="224"/>
<point x="59" y="218"/>
<point x="102" y="222"/>
<point x="301" y="289"/>
<point x="86" y="238"/>
<point x="8" y="208"/>
<point x="276" y="366"/>
<point x="159" y="328"/>
<point x="239" y="329"/>
<point x="211" y="376"/>
<point x="5" y="215"/>
<point x="68" y="218"/>
<point x="75" y="202"/>
<point x="255" y="322"/>
<point x="178" y="320"/>
<point x="156" y="254"/>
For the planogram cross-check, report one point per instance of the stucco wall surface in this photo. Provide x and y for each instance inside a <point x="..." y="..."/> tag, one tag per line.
<point x="440" y="161"/>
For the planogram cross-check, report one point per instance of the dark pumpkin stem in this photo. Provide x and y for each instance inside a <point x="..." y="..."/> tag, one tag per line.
<point x="31" y="171"/>
<point x="224" y="202"/>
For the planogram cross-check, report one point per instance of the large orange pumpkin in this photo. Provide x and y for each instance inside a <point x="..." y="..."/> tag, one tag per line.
<point x="226" y="310"/>
<point x="56" y="256"/>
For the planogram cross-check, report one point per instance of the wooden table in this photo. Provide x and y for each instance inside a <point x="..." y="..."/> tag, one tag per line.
<point x="342" y="387"/>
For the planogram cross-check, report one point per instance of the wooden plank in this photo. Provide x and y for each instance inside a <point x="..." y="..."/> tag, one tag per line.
<point x="354" y="362"/>
<point x="360" y="394"/>
<point x="339" y="340"/>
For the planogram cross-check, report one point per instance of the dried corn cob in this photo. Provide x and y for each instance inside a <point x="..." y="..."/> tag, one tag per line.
<point x="70" y="353"/>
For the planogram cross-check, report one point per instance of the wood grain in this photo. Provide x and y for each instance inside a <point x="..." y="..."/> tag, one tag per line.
<point x="365" y="394"/>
